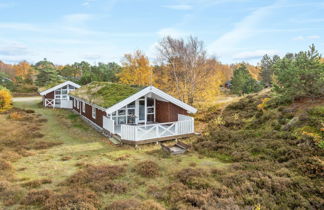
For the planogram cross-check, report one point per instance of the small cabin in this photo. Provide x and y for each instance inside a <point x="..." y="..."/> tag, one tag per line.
<point x="57" y="96"/>
<point x="133" y="114"/>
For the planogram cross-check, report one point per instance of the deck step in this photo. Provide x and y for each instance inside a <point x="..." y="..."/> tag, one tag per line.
<point x="114" y="141"/>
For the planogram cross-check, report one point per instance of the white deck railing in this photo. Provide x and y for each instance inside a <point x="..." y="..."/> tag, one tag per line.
<point x="109" y="125"/>
<point x="185" y="125"/>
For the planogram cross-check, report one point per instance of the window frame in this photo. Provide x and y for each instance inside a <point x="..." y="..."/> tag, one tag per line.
<point x="93" y="112"/>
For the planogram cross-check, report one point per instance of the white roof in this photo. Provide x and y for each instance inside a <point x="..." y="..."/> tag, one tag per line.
<point x="59" y="86"/>
<point x="155" y="91"/>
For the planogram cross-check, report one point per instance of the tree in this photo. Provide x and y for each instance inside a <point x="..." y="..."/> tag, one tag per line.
<point x="243" y="83"/>
<point x="47" y="73"/>
<point x="5" y="99"/>
<point x="190" y="72"/>
<point x="136" y="70"/>
<point x="24" y="72"/>
<point x="267" y="69"/>
<point x="6" y="82"/>
<point x="299" y="75"/>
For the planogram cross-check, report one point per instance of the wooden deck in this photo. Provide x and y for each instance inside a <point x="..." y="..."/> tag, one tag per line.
<point x="147" y="141"/>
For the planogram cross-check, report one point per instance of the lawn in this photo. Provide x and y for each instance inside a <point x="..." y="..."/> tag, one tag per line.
<point x="77" y="146"/>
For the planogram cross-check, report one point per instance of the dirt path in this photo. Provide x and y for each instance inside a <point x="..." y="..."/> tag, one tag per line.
<point x="32" y="98"/>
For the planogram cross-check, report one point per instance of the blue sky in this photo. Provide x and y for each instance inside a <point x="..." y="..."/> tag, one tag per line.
<point x="66" y="31"/>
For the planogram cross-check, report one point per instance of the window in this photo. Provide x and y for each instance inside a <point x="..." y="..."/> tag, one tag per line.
<point x="93" y="113"/>
<point x="58" y="92"/>
<point x="83" y="106"/>
<point x="150" y="110"/>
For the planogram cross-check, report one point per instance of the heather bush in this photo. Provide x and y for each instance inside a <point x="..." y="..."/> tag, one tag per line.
<point x="147" y="169"/>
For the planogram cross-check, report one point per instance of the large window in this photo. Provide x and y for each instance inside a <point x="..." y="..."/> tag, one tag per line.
<point x="125" y="115"/>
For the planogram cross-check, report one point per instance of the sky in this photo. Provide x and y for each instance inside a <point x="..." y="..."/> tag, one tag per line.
<point x="68" y="31"/>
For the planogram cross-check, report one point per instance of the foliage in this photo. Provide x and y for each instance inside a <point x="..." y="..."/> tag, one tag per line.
<point x="47" y="73"/>
<point x="299" y="75"/>
<point x="5" y="99"/>
<point x="267" y="69"/>
<point x="147" y="169"/>
<point x="243" y="83"/>
<point x="136" y="70"/>
<point x="194" y="76"/>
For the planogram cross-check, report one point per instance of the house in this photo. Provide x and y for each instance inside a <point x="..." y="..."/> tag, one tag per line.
<point x="57" y="96"/>
<point x="133" y="114"/>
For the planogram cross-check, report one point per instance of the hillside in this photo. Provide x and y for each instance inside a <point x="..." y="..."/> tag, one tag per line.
<point x="276" y="153"/>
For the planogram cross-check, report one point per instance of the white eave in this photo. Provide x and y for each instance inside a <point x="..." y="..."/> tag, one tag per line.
<point x="155" y="91"/>
<point x="59" y="86"/>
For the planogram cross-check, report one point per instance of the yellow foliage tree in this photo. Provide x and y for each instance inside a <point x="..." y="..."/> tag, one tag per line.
<point x="24" y="70"/>
<point x="136" y="69"/>
<point x="5" y="99"/>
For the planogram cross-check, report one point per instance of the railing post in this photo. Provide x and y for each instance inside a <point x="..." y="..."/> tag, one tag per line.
<point x="157" y="130"/>
<point x="177" y="128"/>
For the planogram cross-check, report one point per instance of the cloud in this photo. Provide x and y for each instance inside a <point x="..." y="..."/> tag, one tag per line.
<point x="13" y="49"/>
<point x="19" y="26"/>
<point x="77" y="18"/>
<point x="87" y="2"/>
<point x="256" y="54"/>
<point x="178" y="6"/>
<point x="174" y="33"/>
<point x="243" y="30"/>
<point x="310" y="37"/>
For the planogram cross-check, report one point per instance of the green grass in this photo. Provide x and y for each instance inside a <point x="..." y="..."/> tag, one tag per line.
<point x="83" y="145"/>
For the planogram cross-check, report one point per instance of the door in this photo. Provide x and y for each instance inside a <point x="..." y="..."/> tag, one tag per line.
<point x="141" y="111"/>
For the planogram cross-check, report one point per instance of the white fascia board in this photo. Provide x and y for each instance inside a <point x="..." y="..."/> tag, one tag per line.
<point x="157" y="92"/>
<point x="173" y="100"/>
<point x="59" y="86"/>
<point x="128" y="100"/>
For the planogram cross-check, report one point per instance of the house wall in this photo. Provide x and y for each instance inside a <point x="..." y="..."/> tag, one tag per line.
<point x="88" y="113"/>
<point x="49" y="95"/>
<point x="168" y="112"/>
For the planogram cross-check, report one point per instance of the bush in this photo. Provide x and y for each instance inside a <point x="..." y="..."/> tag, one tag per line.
<point x="147" y="169"/>
<point x="5" y="99"/>
<point x="37" y="197"/>
<point x="74" y="198"/>
<point x="36" y="183"/>
<point x="5" y="165"/>
<point x="149" y="204"/>
<point x="123" y="205"/>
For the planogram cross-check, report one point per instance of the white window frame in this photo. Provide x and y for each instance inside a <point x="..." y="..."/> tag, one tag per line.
<point x="83" y="106"/>
<point x="93" y="112"/>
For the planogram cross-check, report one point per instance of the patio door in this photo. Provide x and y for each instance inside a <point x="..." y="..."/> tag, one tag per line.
<point x="141" y="110"/>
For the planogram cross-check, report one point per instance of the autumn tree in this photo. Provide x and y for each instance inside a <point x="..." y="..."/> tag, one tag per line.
<point x="24" y="72"/>
<point x="5" y="99"/>
<point x="192" y="76"/>
<point x="136" y="69"/>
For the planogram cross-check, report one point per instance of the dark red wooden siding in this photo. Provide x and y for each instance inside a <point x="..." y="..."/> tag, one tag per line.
<point x="168" y="112"/>
<point x="88" y="114"/>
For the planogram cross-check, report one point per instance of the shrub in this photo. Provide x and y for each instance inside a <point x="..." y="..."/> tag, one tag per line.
<point x="123" y="205"/>
<point x="37" y="197"/>
<point x="149" y="204"/>
<point x="188" y="176"/>
<point x="36" y="183"/>
<point x="147" y="169"/>
<point x="5" y="165"/>
<point x="11" y="195"/>
<point x="74" y="198"/>
<point x="5" y="99"/>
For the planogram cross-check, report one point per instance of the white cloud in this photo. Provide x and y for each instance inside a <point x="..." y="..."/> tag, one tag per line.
<point x="179" y="6"/>
<point x="310" y="37"/>
<point x="243" y="30"/>
<point x="13" y="49"/>
<point x="87" y="2"/>
<point x="174" y="33"/>
<point x="77" y="18"/>
<point x="247" y="55"/>
<point x="19" y="26"/>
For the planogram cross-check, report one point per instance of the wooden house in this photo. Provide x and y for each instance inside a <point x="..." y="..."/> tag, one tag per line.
<point x="57" y="96"/>
<point x="133" y="114"/>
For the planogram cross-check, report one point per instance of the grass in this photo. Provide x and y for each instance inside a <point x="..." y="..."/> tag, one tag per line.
<point x="81" y="146"/>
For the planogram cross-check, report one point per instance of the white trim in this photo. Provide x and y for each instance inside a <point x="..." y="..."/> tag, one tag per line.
<point x="83" y="106"/>
<point x="93" y="112"/>
<point x="156" y="91"/>
<point x="59" y="86"/>
<point x="94" y="105"/>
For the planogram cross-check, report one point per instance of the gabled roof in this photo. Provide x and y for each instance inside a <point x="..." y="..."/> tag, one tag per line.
<point x="46" y="90"/>
<point x="113" y="96"/>
<point x="158" y="93"/>
<point x="105" y="94"/>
